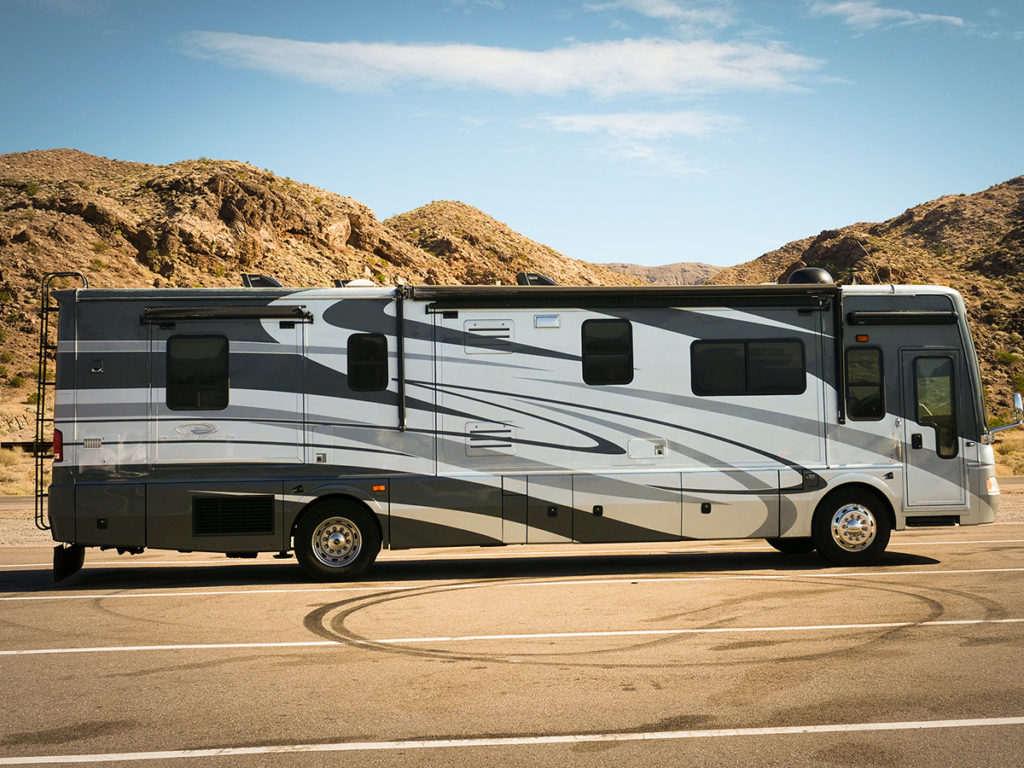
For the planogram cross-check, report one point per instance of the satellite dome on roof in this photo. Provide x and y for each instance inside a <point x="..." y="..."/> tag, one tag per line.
<point x="811" y="275"/>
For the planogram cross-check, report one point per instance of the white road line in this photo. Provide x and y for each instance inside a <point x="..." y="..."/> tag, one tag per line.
<point x="515" y="741"/>
<point x="583" y="551"/>
<point x="700" y="631"/>
<point x="177" y="647"/>
<point x="499" y="584"/>
<point x="525" y="636"/>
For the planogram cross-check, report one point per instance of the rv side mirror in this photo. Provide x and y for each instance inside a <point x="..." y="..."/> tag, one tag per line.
<point x="1018" y="408"/>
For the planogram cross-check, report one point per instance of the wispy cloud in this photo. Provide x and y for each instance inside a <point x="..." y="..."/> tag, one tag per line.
<point x="633" y="126"/>
<point x="865" y="15"/>
<point x="656" y="160"/>
<point x="644" y="66"/>
<point x="72" y="7"/>
<point x="468" y="5"/>
<point x="645" y="137"/>
<point x="716" y="14"/>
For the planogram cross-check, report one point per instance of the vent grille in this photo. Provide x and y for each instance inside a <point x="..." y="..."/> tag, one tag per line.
<point x="484" y="438"/>
<point x="232" y="515"/>
<point x="489" y="336"/>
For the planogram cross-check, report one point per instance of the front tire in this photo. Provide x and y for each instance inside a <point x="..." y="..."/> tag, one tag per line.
<point x="336" y="540"/>
<point x="851" y="527"/>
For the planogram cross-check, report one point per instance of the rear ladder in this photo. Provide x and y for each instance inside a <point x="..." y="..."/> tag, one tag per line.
<point x="43" y="385"/>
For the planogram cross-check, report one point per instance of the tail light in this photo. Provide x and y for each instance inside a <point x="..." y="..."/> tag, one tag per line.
<point x="58" y="445"/>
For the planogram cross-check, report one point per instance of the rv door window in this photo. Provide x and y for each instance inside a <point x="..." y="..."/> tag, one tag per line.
<point x="197" y="373"/>
<point x="934" y="390"/>
<point x="367" y="362"/>
<point x="768" y="367"/>
<point x="865" y="394"/>
<point x="607" y="352"/>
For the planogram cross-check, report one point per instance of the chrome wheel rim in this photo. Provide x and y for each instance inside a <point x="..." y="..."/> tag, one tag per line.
<point x="853" y="527"/>
<point x="337" y="542"/>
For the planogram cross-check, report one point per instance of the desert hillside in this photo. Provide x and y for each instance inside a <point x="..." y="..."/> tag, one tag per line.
<point x="974" y="243"/>
<point x="482" y="250"/>
<point x="205" y="222"/>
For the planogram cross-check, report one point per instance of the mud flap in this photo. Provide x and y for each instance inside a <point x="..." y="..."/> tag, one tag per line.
<point x="67" y="560"/>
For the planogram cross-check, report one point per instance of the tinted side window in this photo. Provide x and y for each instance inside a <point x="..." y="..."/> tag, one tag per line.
<point x="607" y="352"/>
<point x="197" y="373"/>
<point x="718" y="367"/>
<point x="367" y="362"/>
<point x="865" y="393"/>
<point x="770" y="367"/>
<point x="775" y="368"/>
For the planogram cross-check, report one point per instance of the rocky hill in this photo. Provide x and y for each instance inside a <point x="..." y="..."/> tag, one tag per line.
<point x="680" y="273"/>
<point x="974" y="243"/>
<point x="484" y="251"/>
<point x="204" y="222"/>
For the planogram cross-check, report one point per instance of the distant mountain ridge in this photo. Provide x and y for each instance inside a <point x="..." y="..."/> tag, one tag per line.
<point x="680" y="273"/>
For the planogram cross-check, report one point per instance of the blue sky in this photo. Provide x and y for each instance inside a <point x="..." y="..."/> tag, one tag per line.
<point x="648" y="131"/>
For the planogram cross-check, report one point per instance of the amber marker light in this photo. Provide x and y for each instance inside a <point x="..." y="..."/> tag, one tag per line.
<point x="862" y="337"/>
<point x="378" y="488"/>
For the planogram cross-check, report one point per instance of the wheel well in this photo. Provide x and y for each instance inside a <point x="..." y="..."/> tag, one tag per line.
<point x="336" y="497"/>
<point x="862" y="488"/>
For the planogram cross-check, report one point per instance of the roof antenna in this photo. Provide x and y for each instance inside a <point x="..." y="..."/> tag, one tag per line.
<point x="878" y="280"/>
<point x="260" y="281"/>
<point x="533" y="278"/>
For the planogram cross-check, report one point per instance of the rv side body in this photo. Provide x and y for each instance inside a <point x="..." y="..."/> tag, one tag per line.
<point x="213" y="419"/>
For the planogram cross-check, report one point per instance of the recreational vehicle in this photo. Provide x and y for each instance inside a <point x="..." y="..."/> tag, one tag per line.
<point x="332" y="422"/>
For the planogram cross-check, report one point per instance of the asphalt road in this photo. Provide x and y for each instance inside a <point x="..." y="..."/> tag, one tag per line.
<point x="696" y="654"/>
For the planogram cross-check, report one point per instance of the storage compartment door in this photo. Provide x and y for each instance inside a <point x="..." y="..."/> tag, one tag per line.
<point x="627" y="507"/>
<point x="731" y="505"/>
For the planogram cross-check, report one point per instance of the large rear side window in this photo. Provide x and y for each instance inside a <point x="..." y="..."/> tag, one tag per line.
<point x="607" y="352"/>
<point x="197" y="373"/>
<point x="367" y="362"/>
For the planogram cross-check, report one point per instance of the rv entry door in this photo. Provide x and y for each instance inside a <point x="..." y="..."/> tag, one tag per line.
<point x="226" y="391"/>
<point x="932" y="449"/>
